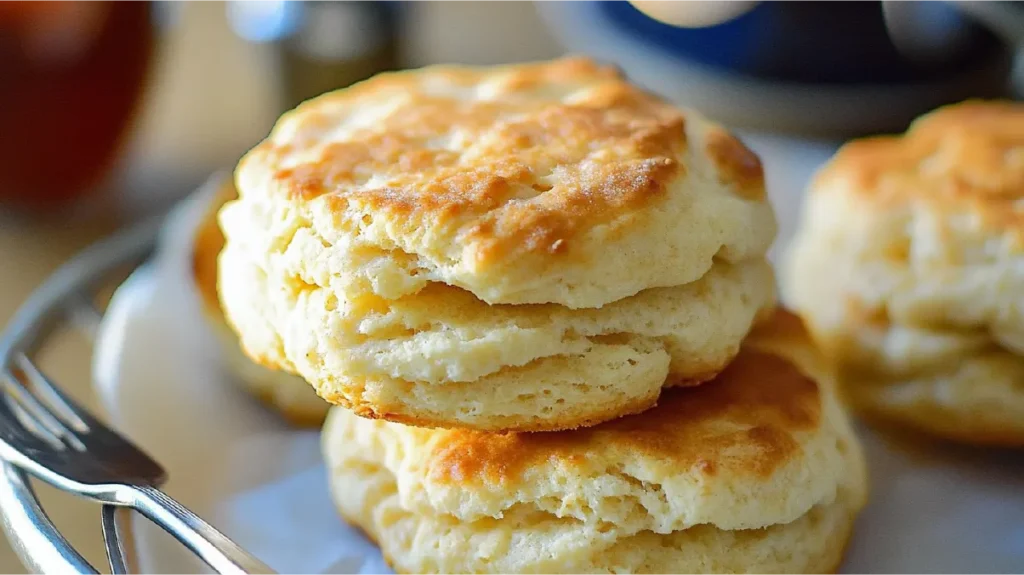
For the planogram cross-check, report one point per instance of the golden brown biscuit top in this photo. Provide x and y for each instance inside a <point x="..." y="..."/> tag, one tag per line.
<point x="516" y="159"/>
<point x="207" y="244"/>
<point x="964" y="157"/>
<point x="742" y="423"/>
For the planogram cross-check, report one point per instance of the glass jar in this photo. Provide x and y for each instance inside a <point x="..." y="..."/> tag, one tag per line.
<point x="72" y="75"/>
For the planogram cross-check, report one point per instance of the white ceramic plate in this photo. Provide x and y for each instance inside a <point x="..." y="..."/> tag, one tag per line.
<point x="264" y="484"/>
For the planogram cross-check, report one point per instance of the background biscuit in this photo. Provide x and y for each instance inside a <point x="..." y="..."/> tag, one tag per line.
<point x="909" y="265"/>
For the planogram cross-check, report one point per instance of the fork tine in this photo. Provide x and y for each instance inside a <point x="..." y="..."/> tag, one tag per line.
<point x="89" y="433"/>
<point x="68" y="410"/>
<point x="30" y="424"/>
<point x="13" y="428"/>
<point x="39" y="413"/>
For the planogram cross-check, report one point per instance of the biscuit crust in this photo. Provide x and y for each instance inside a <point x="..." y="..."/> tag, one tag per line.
<point x="752" y="433"/>
<point x="729" y="475"/>
<point x="967" y="157"/>
<point x="555" y="182"/>
<point x="529" y="247"/>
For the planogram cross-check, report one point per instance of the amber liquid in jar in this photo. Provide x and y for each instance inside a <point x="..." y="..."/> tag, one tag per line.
<point x="71" y="77"/>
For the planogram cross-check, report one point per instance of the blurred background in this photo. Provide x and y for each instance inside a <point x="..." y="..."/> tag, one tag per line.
<point x="112" y="110"/>
<point x="125" y="106"/>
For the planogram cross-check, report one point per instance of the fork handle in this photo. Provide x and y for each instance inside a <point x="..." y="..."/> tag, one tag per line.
<point x="210" y="545"/>
<point x="41" y="548"/>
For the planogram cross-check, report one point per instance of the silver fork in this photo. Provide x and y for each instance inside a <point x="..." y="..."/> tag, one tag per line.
<point x="46" y="433"/>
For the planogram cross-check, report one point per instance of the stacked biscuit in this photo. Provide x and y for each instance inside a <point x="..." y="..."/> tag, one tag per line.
<point x="756" y="471"/>
<point x="916" y="244"/>
<point x="459" y="257"/>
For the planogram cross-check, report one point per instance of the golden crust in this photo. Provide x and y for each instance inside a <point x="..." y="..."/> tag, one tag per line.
<point x="764" y="405"/>
<point x="735" y="163"/>
<point x="546" y="154"/>
<point x="753" y="407"/>
<point x="473" y="173"/>
<point x="758" y="470"/>
<point x="967" y="157"/>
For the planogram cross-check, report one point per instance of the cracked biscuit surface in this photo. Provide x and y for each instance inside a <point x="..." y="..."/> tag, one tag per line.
<point x="755" y="471"/>
<point x="529" y="247"/>
<point x="909" y="268"/>
<point x="556" y="182"/>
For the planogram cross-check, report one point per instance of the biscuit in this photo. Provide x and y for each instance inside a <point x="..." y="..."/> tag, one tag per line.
<point x="555" y="182"/>
<point x="532" y="247"/>
<point x="443" y="358"/>
<point x="908" y="267"/>
<point x="287" y="393"/>
<point x="757" y="470"/>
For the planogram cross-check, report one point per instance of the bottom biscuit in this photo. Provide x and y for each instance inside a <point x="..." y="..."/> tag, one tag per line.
<point x="814" y="543"/>
<point x="757" y="470"/>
